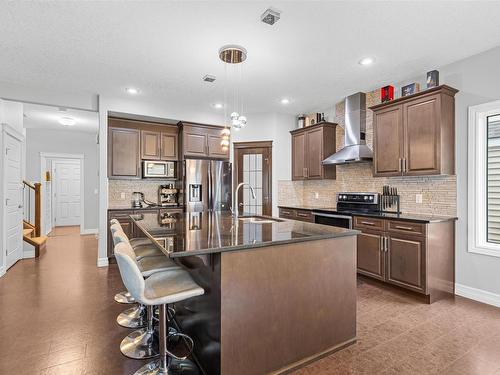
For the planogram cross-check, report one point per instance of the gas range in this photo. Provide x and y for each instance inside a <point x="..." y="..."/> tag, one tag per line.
<point x="348" y="205"/>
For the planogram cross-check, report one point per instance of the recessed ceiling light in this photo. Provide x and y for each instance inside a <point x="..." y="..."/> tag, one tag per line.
<point x="366" y="61"/>
<point x="218" y="105"/>
<point x="67" y="121"/>
<point x="132" y="90"/>
<point x="285" y="101"/>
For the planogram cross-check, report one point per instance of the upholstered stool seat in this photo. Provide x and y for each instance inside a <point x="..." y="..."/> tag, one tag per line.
<point x="161" y="288"/>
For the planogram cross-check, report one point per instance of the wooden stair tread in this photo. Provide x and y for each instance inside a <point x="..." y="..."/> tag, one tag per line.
<point x="36" y="241"/>
<point x="27" y="232"/>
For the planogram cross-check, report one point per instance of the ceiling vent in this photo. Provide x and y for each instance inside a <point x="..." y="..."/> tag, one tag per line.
<point x="270" y="16"/>
<point x="209" y="78"/>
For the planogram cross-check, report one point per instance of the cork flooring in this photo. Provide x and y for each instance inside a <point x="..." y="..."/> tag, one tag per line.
<point x="57" y="316"/>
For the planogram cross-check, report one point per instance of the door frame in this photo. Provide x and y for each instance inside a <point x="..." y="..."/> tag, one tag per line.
<point x="6" y="129"/>
<point x="237" y="146"/>
<point x="44" y="156"/>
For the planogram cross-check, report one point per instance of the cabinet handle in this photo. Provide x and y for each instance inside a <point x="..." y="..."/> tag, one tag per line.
<point x="386" y="244"/>
<point x="403" y="228"/>
<point x="286" y="212"/>
<point x="367" y="223"/>
<point x="381" y="243"/>
<point x="405" y="166"/>
<point x="400" y="167"/>
<point x="302" y="215"/>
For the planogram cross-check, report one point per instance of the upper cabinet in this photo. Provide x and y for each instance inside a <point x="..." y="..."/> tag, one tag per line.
<point x="310" y="146"/>
<point x="130" y="141"/>
<point x="158" y="145"/>
<point x="415" y="135"/>
<point x="203" y="141"/>
<point x="124" y="153"/>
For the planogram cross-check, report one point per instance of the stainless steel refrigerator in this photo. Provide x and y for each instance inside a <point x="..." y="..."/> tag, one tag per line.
<point x="207" y="185"/>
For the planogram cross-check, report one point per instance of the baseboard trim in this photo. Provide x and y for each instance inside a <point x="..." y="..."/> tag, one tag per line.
<point x="478" y="295"/>
<point x="89" y="231"/>
<point x="28" y="254"/>
<point x="102" y="262"/>
<point x="2" y="271"/>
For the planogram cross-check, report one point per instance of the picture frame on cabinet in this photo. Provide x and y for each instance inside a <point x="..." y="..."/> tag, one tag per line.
<point x="410" y="89"/>
<point x="432" y="79"/>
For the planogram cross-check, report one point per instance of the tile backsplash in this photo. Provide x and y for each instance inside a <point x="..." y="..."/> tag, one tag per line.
<point x="117" y="187"/>
<point x="439" y="193"/>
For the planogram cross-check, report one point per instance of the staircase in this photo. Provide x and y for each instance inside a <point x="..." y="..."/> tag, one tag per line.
<point x="32" y="216"/>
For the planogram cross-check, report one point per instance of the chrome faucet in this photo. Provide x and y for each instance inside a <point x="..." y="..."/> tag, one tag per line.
<point x="234" y="209"/>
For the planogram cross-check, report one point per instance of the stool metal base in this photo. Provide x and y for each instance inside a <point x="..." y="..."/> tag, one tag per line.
<point x="124" y="297"/>
<point x="132" y="318"/>
<point x="175" y="367"/>
<point x="139" y="345"/>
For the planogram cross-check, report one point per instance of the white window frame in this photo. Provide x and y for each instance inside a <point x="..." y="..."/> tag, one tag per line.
<point x="477" y="192"/>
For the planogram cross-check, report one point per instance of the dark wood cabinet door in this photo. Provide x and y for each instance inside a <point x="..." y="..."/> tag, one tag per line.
<point x="124" y="153"/>
<point x="168" y="146"/>
<point x="388" y="141"/>
<point x="215" y="149"/>
<point x="195" y="144"/>
<point x="371" y="258"/>
<point x="406" y="262"/>
<point x="298" y="156"/>
<point x="314" y="154"/>
<point x="126" y="223"/>
<point x="150" y="145"/>
<point x="422" y="136"/>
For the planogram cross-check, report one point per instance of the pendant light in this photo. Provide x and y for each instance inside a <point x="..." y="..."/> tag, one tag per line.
<point x="232" y="56"/>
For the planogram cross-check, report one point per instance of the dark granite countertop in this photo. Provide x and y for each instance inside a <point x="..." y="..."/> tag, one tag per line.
<point x="143" y="208"/>
<point x="420" y="218"/>
<point x="197" y="233"/>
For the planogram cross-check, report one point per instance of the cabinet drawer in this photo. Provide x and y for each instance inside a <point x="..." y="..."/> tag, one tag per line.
<point x="368" y="223"/>
<point x="304" y="215"/>
<point x="395" y="226"/>
<point x="287" y="213"/>
<point x="120" y="215"/>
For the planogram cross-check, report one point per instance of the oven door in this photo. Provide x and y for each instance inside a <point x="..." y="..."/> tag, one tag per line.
<point x="334" y="220"/>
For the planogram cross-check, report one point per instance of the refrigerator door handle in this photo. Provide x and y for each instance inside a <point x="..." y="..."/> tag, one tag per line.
<point x="209" y="186"/>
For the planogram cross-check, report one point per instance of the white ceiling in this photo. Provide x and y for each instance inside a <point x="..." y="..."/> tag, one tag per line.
<point x="164" y="48"/>
<point x="38" y="116"/>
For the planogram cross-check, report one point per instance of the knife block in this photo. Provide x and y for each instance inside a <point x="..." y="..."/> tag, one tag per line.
<point x="390" y="202"/>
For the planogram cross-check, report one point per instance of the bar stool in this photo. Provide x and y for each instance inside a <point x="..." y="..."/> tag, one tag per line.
<point x="144" y="248"/>
<point x="139" y="343"/>
<point x="160" y="289"/>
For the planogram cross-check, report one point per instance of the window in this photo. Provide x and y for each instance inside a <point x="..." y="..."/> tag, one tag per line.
<point x="484" y="179"/>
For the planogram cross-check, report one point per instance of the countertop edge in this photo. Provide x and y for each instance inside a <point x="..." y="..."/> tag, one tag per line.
<point x="401" y="217"/>
<point x="219" y="250"/>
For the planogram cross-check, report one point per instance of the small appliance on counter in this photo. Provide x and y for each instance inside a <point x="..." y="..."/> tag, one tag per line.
<point x="138" y="200"/>
<point x="168" y="195"/>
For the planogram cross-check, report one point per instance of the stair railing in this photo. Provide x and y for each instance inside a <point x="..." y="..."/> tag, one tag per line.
<point x="32" y="203"/>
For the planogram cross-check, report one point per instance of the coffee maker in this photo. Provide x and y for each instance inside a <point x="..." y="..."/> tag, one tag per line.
<point x="168" y="195"/>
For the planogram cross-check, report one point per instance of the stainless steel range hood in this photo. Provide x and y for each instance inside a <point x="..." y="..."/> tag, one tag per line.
<point x="355" y="149"/>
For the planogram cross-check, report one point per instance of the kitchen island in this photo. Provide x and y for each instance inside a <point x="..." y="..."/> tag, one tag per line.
<point x="278" y="293"/>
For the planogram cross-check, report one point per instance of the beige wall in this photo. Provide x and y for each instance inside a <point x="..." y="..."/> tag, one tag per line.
<point x="439" y="193"/>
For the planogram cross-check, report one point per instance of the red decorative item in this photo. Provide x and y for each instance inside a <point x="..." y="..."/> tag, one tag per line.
<point x="387" y="93"/>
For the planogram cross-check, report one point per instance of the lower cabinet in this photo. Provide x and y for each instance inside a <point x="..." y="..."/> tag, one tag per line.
<point x="371" y="258"/>
<point x="296" y="214"/>
<point x="414" y="256"/>
<point x="406" y="262"/>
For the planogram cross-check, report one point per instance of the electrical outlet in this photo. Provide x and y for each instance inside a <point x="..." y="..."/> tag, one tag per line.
<point x="316" y="195"/>
<point x="418" y="198"/>
<point x="122" y="196"/>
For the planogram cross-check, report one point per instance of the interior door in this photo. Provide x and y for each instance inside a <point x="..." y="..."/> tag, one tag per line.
<point x="13" y="194"/>
<point x="253" y="163"/>
<point x="388" y="141"/>
<point x="67" y="193"/>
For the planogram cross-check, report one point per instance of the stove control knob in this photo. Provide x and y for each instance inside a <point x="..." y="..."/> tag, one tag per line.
<point x="371" y="197"/>
<point x="366" y="197"/>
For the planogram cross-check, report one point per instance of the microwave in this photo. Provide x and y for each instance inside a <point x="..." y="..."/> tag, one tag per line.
<point x="160" y="169"/>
